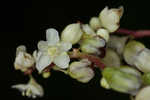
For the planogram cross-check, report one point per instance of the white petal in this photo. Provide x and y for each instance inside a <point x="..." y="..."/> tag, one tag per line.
<point x="20" y="87"/>
<point x="62" y="60"/>
<point x="42" y="45"/>
<point x="65" y="46"/>
<point x="36" y="88"/>
<point x="31" y="89"/>
<point x="52" y="36"/>
<point x="43" y="61"/>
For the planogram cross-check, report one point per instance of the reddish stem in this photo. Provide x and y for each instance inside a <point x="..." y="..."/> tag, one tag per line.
<point x="94" y="59"/>
<point x="136" y="34"/>
<point x="29" y="71"/>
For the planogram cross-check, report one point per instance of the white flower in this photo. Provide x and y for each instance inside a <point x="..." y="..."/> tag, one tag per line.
<point x="110" y="18"/>
<point x="52" y="50"/>
<point x="80" y="71"/>
<point x="72" y="33"/>
<point x="31" y="89"/>
<point x="23" y="60"/>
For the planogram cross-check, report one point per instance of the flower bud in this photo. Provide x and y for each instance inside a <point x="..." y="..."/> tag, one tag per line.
<point x="142" y="60"/>
<point x="72" y="33"/>
<point x="23" y="59"/>
<point x="146" y="78"/>
<point x="104" y="83"/>
<point x="80" y="71"/>
<point x="123" y="79"/>
<point x="88" y="30"/>
<point x="95" y="23"/>
<point x="110" y="18"/>
<point x="103" y="33"/>
<point x="143" y="94"/>
<point x="117" y="43"/>
<point x="131" y="50"/>
<point x="46" y="74"/>
<point x="111" y="59"/>
<point x="92" y="45"/>
<point x="20" y="48"/>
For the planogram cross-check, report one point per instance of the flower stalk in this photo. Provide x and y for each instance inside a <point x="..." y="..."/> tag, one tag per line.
<point x="94" y="59"/>
<point x="135" y="34"/>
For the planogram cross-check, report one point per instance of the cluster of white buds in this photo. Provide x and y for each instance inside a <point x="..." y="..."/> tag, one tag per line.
<point x="124" y="62"/>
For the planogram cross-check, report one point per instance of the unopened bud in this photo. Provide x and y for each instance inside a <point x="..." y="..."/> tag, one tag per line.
<point x="72" y="33"/>
<point x="104" y="83"/>
<point x="123" y="79"/>
<point x="131" y="50"/>
<point x="110" y="18"/>
<point x="111" y="59"/>
<point x="95" y="23"/>
<point x="143" y="94"/>
<point x="142" y="60"/>
<point x="146" y="78"/>
<point x="117" y="43"/>
<point x="87" y="29"/>
<point x="80" y="71"/>
<point x="92" y="45"/>
<point x="103" y="33"/>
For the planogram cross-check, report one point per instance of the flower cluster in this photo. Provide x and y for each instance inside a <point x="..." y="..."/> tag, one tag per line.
<point x="123" y="61"/>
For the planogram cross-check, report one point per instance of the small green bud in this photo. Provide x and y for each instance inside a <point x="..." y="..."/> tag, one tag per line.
<point x="46" y="74"/>
<point x="146" y="78"/>
<point x="95" y="23"/>
<point x="72" y="33"/>
<point x="123" y="79"/>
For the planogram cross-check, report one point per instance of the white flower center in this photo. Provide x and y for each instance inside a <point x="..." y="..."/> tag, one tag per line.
<point x="52" y="51"/>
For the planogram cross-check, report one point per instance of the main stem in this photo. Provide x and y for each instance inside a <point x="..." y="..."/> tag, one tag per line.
<point x="135" y="34"/>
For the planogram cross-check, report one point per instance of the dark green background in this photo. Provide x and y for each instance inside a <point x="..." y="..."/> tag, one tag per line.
<point x="25" y="22"/>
